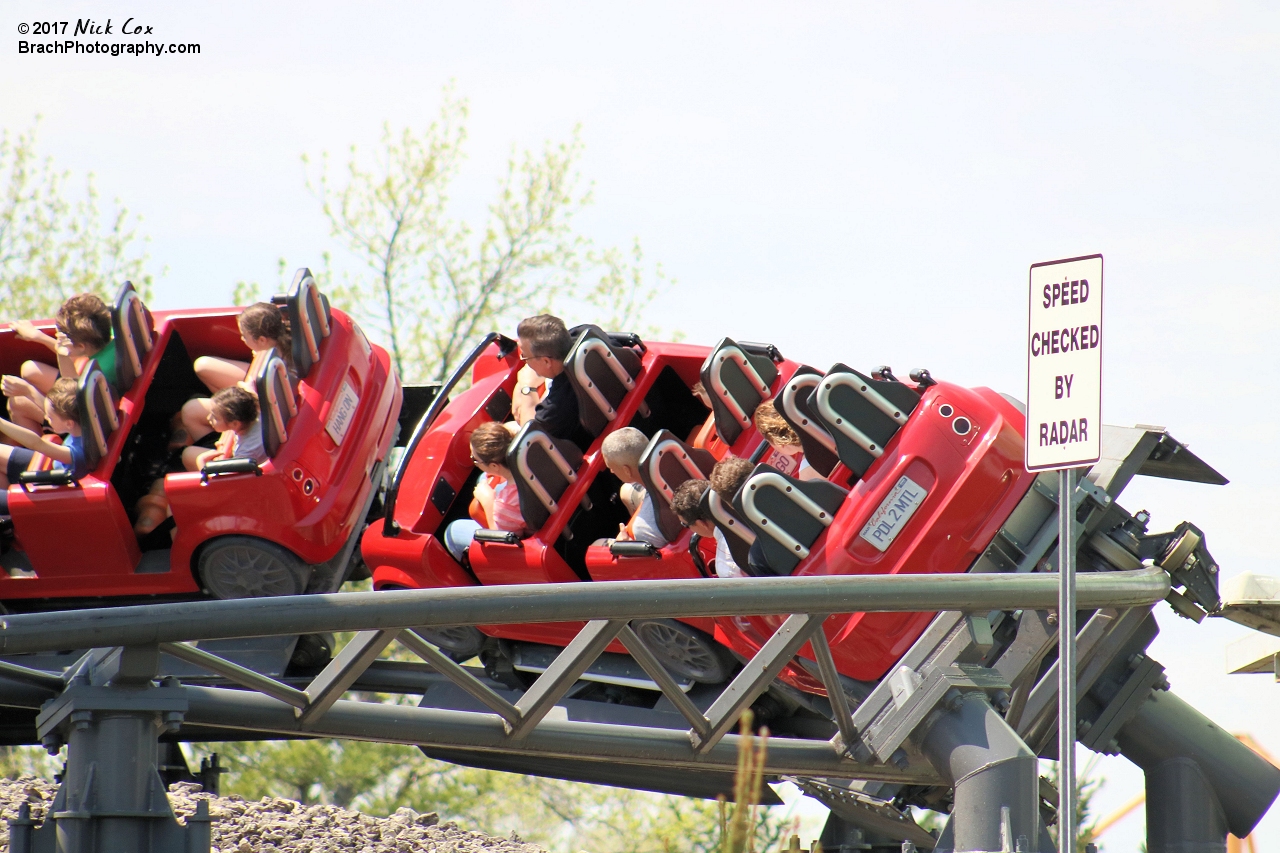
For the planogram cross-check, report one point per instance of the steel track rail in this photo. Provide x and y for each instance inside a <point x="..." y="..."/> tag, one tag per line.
<point x="570" y="602"/>
<point x="654" y="747"/>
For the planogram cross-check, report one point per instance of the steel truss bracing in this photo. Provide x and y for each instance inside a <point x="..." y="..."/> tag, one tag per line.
<point x="957" y="725"/>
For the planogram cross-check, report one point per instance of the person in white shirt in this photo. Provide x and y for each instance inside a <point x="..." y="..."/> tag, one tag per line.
<point x="622" y="451"/>
<point x="687" y="504"/>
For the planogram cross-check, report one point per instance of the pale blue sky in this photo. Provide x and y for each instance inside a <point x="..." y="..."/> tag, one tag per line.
<point x="856" y="182"/>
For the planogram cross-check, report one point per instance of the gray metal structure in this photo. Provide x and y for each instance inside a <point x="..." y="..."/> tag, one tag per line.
<point x="956" y="726"/>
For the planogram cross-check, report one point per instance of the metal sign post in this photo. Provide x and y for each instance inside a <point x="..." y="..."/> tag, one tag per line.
<point x="1063" y="433"/>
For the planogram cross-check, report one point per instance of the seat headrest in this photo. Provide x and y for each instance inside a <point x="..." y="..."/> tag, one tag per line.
<point x="276" y="404"/>
<point x="787" y="514"/>
<point x="737" y="380"/>
<point x="132" y="330"/>
<point x="737" y="534"/>
<point x="543" y="469"/>
<point x="601" y="375"/>
<point x="860" y="413"/>
<point x="98" y="418"/>
<point x="307" y="311"/>
<point x="667" y="462"/>
<point x="792" y="404"/>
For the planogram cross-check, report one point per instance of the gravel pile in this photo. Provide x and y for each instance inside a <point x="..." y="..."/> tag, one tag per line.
<point x="269" y="824"/>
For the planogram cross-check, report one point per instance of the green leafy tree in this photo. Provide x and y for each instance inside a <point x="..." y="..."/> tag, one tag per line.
<point x="564" y="816"/>
<point x="429" y="283"/>
<point x="1087" y="785"/>
<point x="53" y="244"/>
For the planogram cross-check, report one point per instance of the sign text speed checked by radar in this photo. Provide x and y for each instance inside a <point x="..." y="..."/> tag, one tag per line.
<point x="1064" y="364"/>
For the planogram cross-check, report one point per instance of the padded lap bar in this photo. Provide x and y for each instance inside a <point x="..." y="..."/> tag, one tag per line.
<point x="664" y="466"/>
<point x="737" y="381"/>
<point x="787" y="514"/>
<point x="543" y="468"/>
<point x="277" y="407"/>
<point x="131" y="328"/>
<point x="793" y="404"/>
<point x="860" y="413"/>
<point x="737" y="534"/>
<point x="309" y="319"/>
<point x="601" y="375"/>
<point x="98" y="418"/>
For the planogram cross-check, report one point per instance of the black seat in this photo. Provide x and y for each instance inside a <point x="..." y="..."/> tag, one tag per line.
<point x="737" y="535"/>
<point x="98" y="417"/>
<point x="308" y="313"/>
<point x="862" y="414"/>
<point x="738" y="378"/>
<point x="134" y="334"/>
<point x="276" y="404"/>
<point x="664" y="466"/>
<point x="543" y="469"/>
<point x="787" y="514"/>
<point x="601" y="374"/>
<point x="793" y="404"/>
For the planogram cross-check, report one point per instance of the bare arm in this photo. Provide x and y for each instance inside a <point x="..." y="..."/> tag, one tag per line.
<point x="523" y="406"/>
<point x="485" y="495"/>
<point x="12" y="386"/>
<point x="35" y="442"/>
<point x="27" y="330"/>
<point x="66" y="363"/>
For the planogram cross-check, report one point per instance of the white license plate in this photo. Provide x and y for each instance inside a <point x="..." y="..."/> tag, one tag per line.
<point x="342" y="413"/>
<point x="893" y="513"/>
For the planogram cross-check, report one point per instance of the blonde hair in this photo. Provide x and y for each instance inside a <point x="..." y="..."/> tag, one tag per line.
<point x="64" y="399"/>
<point x="729" y="475"/>
<point x="773" y="426"/>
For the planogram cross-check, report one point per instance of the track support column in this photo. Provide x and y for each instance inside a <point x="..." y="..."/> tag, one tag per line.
<point x="995" y="775"/>
<point x="1183" y="813"/>
<point x="112" y="797"/>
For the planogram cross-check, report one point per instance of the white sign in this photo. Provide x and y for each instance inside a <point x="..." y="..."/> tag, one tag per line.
<point x="1064" y="364"/>
<point x="342" y="413"/>
<point x="893" y="513"/>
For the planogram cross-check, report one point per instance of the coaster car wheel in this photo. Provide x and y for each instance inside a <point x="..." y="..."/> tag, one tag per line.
<point x="686" y="651"/>
<point x="459" y="642"/>
<point x="248" y="567"/>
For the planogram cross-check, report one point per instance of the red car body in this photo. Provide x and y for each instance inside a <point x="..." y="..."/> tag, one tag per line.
<point x="76" y="541"/>
<point x="409" y="554"/>
<point x="973" y="481"/>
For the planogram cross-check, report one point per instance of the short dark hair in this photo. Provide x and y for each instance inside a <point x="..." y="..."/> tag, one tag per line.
<point x="64" y="399"/>
<point x="86" y="319"/>
<point x="729" y="475"/>
<point x="235" y="404"/>
<point x="546" y="335"/>
<point x="687" y="500"/>
<point x="489" y="443"/>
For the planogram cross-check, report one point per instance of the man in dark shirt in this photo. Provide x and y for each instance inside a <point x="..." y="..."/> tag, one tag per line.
<point x="544" y="343"/>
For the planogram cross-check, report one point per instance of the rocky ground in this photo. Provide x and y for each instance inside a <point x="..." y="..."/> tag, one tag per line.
<point x="244" y="826"/>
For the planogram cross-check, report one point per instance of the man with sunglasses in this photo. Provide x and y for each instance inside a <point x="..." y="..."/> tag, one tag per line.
<point x="542" y="391"/>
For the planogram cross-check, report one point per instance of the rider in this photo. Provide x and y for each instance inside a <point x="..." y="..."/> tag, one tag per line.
<point x="544" y="344"/>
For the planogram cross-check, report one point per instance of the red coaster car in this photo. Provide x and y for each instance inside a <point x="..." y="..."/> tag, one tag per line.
<point x="937" y="470"/>
<point x="567" y="497"/>
<point x="287" y="527"/>
<point x="920" y="477"/>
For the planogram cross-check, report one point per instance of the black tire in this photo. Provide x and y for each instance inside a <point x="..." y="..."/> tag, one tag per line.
<point x="460" y="642"/>
<point x="312" y="651"/>
<point x="686" y="651"/>
<point x="248" y="567"/>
